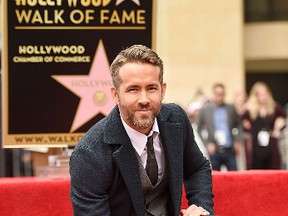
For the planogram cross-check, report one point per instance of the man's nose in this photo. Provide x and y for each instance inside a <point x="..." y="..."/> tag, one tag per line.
<point x="144" y="99"/>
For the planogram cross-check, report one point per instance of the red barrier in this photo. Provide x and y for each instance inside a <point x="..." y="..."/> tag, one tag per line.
<point x="238" y="193"/>
<point x="34" y="197"/>
<point x="249" y="193"/>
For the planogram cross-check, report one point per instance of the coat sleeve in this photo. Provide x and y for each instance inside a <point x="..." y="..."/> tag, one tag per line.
<point x="89" y="181"/>
<point x="197" y="172"/>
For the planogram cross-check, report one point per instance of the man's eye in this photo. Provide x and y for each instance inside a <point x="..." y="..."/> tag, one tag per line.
<point x="132" y="90"/>
<point x="152" y="89"/>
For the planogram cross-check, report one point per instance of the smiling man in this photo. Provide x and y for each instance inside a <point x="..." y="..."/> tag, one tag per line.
<point x="135" y="160"/>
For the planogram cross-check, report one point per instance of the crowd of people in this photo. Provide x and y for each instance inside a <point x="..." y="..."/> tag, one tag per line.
<point x="253" y="122"/>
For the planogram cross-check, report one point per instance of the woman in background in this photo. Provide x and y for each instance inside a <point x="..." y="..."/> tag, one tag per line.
<point x="199" y="100"/>
<point x="264" y="119"/>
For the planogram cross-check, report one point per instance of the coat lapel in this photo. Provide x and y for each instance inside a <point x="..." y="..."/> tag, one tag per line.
<point x="171" y="136"/>
<point x="125" y="159"/>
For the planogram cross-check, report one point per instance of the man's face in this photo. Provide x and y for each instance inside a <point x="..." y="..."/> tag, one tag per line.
<point x="140" y="95"/>
<point x="219" y="95"/>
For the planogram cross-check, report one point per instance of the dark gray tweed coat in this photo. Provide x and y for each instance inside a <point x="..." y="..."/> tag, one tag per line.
<point x="104" y="168"/>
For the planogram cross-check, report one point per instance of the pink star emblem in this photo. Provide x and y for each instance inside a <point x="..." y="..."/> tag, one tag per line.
<point x="120" y="1"/>
<point x="93" y="89"/>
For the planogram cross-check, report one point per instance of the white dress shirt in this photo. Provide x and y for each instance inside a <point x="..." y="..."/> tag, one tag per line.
<point x="139" y="141"/>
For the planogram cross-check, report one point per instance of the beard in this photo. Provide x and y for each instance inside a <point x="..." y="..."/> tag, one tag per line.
<point x="140" y="121"/>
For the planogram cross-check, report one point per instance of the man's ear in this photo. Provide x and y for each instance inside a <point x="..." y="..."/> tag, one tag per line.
<point x="164" y="86"/>
<point x="115" y="95"/>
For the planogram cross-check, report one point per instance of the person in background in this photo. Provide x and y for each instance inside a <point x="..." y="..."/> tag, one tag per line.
<point x="193" y="110"/>
<point x="240" y="103"/>
<point x="264" y="119"/>
<point x="221" y="125"/>
<point x="283" y="142"/>
<point x="240" y="100"/>
<point x="113" y="171"/>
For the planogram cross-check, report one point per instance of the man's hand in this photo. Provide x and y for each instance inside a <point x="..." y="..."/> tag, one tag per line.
<point x="194" y="210"/>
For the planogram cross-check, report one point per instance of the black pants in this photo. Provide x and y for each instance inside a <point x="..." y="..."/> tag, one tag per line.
<point x="224" y="156"/>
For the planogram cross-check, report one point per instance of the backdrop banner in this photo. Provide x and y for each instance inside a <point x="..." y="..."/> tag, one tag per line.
<point x="56" y="56"/>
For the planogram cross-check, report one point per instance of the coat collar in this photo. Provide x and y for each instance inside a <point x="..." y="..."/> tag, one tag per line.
<point x="127" y="162"/>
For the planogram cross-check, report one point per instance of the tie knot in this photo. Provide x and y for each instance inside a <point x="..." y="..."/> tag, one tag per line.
<point x="150" y="141"/>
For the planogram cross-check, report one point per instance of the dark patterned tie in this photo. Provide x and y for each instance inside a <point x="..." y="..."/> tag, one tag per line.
<point x="151" y="166"/>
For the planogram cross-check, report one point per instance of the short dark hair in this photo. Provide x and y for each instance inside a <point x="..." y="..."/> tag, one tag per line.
<point x="135" y="53"/>
<point x="216" y="85"/>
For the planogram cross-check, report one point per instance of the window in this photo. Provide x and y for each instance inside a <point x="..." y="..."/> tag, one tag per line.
<point x="265" y="10"/>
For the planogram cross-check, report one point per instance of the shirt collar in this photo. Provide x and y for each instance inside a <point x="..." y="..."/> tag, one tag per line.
<point x="138" y="139"/>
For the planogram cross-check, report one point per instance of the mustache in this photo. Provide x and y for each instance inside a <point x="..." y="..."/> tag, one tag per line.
<point x="141" y="106"/>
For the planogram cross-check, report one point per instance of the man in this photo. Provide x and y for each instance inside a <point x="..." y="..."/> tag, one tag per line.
<point x="109" y="166"/>
<point x="220" y="123"/>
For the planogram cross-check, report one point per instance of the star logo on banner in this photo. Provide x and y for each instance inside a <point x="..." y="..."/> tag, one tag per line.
<point x="120" y="1"/>
<point x="92" y="89"/>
